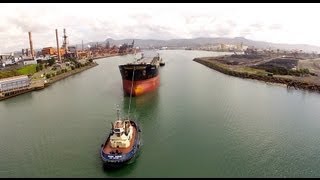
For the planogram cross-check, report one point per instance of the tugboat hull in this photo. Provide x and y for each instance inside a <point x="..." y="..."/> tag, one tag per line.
<point x="113" y="160"/>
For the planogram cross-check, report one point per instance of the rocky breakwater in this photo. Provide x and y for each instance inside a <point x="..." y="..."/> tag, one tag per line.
<point x="290" y="82"/>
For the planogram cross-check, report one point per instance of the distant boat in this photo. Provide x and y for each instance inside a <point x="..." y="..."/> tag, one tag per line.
<point x="161" y="63"/>
<point x="122" y="144"/>
<point x="141" y="76"/>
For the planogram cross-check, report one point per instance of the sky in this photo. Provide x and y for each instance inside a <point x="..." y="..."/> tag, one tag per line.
<point x="278" y="23"/>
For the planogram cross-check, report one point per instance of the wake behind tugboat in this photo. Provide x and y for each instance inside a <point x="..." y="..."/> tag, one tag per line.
<point x="122" y="144"/>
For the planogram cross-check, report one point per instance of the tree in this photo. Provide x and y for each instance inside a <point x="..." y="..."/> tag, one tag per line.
<point x="108" y="45"/>
<point x="51" y="61"/>
<point x="39" y="67"/>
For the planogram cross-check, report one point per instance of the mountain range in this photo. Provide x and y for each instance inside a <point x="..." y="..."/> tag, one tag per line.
<point x="196" y="42"/>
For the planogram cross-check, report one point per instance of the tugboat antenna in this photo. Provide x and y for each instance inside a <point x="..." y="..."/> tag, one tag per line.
<point x="118" y="112"/>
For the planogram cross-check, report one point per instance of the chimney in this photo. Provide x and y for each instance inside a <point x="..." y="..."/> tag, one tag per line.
<point x="31" y="47"/>
<point x="82" y="45"/>
<point x="58" y="49"/>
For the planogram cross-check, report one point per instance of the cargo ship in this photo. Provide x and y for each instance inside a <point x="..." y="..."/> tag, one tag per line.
<point x="141" y="76"/>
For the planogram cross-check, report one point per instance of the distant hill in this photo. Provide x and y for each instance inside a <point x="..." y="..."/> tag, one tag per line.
<point x="196" y="42"/>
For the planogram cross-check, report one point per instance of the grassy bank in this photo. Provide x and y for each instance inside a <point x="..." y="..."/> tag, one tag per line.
<point x="25" y="70"/>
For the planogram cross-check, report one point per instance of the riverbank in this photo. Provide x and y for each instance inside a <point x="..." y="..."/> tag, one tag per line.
<point x="251" y="73"/>
<point x="40" y="84"/>
<point x="69" y="73"/>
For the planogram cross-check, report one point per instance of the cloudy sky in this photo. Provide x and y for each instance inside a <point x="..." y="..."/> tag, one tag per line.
<point x="279" y="23"/>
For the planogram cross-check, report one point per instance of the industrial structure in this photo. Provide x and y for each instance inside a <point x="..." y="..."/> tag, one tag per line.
<point x="31" y="46"/>
<point x="65" y="51"/>
<point x="65" y="43"/>
<point x="59" y="55"/>
<point x="13" y="85"/>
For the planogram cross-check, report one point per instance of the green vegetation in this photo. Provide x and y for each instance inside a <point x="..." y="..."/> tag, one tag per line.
<point x="39" y="67"/>
<point x="31" y="69"/>
<point x="27" y="70"/>
<point x="70" y="60"/>
<point x="283" y="71"/>
<point x="6" y="74"/>
<point x="252" y="70"/>
<point x="51" y="61"/>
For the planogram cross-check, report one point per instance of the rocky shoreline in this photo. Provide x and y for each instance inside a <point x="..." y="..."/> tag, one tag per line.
<point x="290" y="83"/>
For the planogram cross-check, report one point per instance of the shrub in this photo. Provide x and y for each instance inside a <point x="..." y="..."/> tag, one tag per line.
<point x="51" y="61"/>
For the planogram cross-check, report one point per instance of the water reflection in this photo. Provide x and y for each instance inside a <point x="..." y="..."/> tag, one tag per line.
<point x="13" y="100"/>
<point x="140" y="105"/>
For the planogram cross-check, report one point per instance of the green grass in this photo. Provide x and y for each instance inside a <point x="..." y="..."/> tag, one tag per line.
<point x="253" y="70"/>
<point x="28" y="69"/>
<point x="6" y="74"/>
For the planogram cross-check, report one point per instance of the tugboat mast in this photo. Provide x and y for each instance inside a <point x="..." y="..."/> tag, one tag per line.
<point x="118" y="113"/>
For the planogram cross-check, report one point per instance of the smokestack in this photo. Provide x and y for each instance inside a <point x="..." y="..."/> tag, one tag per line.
<point x="31" y="47"/>
<point x="82" y="45"/>
<point x="58" y="49"/>
<point x="65" y="46"/>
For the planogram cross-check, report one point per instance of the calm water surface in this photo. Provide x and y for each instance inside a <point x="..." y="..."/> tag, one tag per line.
<point x="198" y="123"/>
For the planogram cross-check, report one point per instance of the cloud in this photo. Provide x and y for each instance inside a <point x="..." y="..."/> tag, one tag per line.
<point x="223" y="31"/>
<point x="26" y="25"/>
<point x="245" y="32"/>
<point x="256" y="26"/>
<point x="231" y="23"/>
<point x="275" y="27"/>
<point x="96" y="22"/>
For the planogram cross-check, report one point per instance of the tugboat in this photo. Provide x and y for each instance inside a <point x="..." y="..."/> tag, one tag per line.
<point x="122" y="144"/>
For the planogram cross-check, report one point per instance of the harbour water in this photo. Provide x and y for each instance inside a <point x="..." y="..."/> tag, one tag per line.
<point x="198" y="123"/>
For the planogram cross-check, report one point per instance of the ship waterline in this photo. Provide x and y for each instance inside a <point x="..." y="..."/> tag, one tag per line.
<point x="140" y="87"/>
